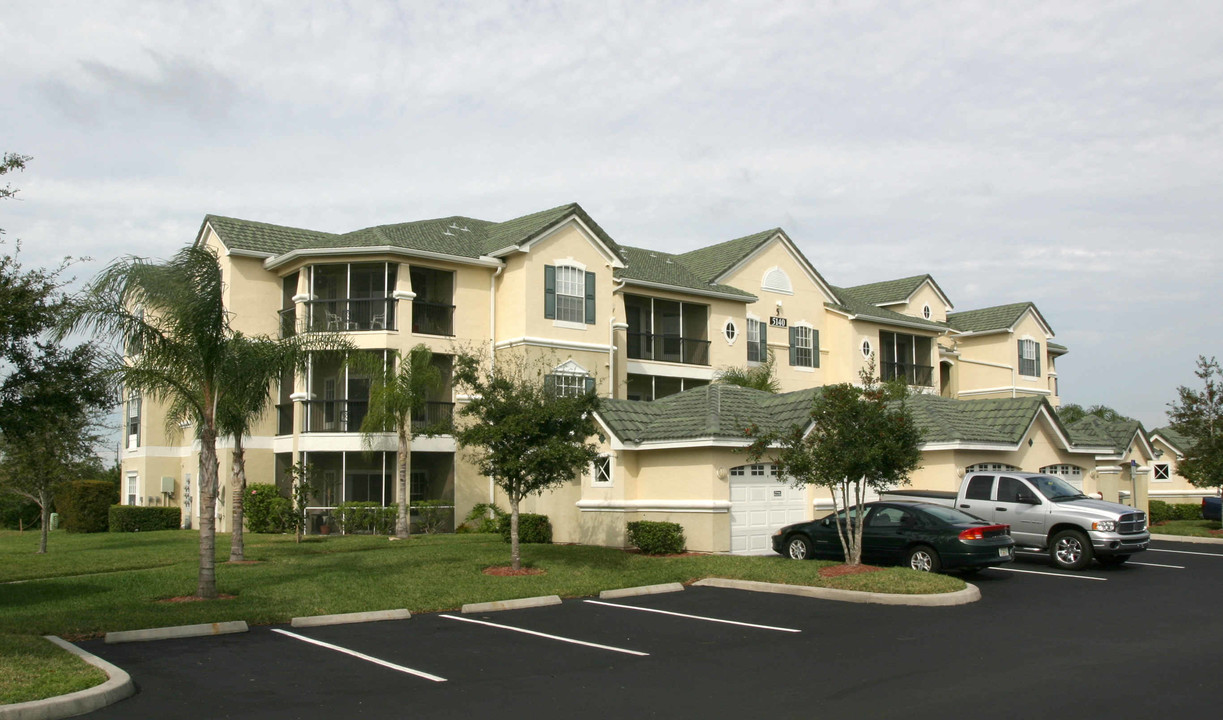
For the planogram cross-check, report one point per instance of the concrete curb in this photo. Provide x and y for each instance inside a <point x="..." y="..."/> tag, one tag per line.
<point x="641" y="590"/>
<point x="512" y="604"/>
<point x="346" y="618"/>
<point x="178" y="631"/>
<point x="1188" y="539"/>
<point x="117" y="687"/>
<point x="960" y="597"/>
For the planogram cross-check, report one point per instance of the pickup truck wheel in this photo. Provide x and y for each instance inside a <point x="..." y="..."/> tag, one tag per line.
<point x="1113" y="559"/>
<point x="1070" y="550"/>
<point x="798" y="548"/>
<point x="924" y="559"/>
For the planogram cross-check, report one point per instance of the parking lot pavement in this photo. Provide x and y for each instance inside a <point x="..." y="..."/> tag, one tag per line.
<point x="1040" y="642"/>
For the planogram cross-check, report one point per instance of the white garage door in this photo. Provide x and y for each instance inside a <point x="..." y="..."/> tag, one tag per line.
<point x="759" y="504"/>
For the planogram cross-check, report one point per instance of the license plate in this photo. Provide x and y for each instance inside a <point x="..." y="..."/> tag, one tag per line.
<point x="1004" y="552"/>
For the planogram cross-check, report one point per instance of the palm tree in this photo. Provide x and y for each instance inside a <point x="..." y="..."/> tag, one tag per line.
<point x="758" y="377"/>
<point x="170" y="317"/>
<point x="252" y="365"/>
<point x="399" y="389"/>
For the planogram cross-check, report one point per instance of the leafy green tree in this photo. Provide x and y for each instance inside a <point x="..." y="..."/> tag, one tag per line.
<point x="399" y="389"/>
<point x="527" y="437"/>
<point x="53" y="422"/>
<point x="860" y="438"/>
<point x="251" y="367"/>
<point x="758" y="377"/>
<point x="171" y="317"/>
<point x="1072" y="413"/>
<point x="1198" y="415"/>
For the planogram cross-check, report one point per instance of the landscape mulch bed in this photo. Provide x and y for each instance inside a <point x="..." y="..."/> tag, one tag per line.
<point x="832" y="571"/>
<point x="507" y="571"/>
<point x="195" y="598"/>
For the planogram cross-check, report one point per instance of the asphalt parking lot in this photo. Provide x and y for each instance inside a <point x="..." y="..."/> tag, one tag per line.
<point x="1138" y="639"/>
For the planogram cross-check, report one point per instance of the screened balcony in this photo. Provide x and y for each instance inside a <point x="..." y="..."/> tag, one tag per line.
<point x="351" y="297"/>
<point x="667" y="330"/>
<point x="433" y="306"/>
<point x="907" y="357"/>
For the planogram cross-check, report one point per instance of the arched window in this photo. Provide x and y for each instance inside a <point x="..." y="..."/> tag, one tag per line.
<point x="776" y="280"/>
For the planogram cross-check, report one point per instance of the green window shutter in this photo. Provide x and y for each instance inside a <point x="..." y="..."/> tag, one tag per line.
<point x="590" y="384"/>
<point x="550" y="292"/>
<point x="1037" y="359"/>
<point x="550" y="384"/>
<point x="590" y="298"/>
<point x="764" y="341"/>
<point x="815" y="347"/>
<point x="793" y="346"/>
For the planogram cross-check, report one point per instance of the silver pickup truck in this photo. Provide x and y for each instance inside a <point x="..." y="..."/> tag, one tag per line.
<point x="1047" y="514"/>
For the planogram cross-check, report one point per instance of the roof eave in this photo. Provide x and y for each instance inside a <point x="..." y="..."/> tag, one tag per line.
<point x="812" y="273"/>
<point x="276" y="261"/>
<point x="745" y="299"/>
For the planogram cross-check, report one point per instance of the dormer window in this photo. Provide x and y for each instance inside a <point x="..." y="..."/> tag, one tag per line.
<point x="569" y="294"/>
<point x="1029" y="358"/>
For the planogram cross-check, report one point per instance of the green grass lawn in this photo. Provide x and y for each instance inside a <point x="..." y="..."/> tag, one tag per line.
<point x="32" y="668"/>
<point x="87" y="585"/>
<point x="1190" y="528"/>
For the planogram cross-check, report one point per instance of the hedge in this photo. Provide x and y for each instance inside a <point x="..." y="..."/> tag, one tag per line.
<point x="656" y="538"/>
<point x="532" y="528"/>
<point x="130" y="518"/>
<point x="265" y="510"/>
<point x="1163" y="512"/>
<point x="84" y="505"/>
<point x="365" y="518"/>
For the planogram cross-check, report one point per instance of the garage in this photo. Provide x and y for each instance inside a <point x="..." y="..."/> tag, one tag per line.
<point x="759" y="504"/>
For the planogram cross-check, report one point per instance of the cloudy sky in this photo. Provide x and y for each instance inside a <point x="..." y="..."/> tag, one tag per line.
<point x="1065" y="153"/>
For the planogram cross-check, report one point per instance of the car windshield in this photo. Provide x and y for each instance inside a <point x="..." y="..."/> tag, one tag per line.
<point x="952" y="516"/>
<point x="1056" y="489"/>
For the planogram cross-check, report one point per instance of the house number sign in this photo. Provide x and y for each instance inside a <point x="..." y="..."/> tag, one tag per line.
<point x="778" y="322"/>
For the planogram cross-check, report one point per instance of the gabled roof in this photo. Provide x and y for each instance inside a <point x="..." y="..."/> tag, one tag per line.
<point x="892" y="292"/>
<point x="850" y="303"/>
<point x="717" y="411"/>
<point x="660" y="268"/>
<point x="713" y="263"/>
<point x="1179" y="442"/>
<point x="1116" y="434"/>
<point x="456" y="235"/>
<point x="999" y="317"/>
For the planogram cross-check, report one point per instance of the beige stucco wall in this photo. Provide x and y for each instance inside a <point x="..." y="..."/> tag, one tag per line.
<point x="1177" y="489"/>
<point x="988" y="366"/>
<point x="925" y="295"/>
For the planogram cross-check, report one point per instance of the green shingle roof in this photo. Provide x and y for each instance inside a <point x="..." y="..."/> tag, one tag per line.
<point x="710" y="262"/>
<point x="1173" y="438"/>
<point x="454" y="235"/>
<point x="659" y="267"/>
<point x="1096" y="431"/>
<point x="999" y="317"/>
<point x="850" y="302"/>
<point x="712" y="411"/>
<point x="892" y="291"/>
<point x="995" y="421"/>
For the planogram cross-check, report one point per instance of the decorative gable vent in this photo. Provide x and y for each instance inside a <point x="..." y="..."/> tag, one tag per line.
<point x="776" y="280"/>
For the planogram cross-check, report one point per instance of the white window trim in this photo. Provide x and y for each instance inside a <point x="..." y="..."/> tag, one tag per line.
<point x="1035" y="359"/>
<point x="927" y="312"/>
<point x="1155" y="475"/>
<point x="867" y="348"/>
<point x="764" y="284"/>
<point x="730" y="323"/>
<point x="581" y="270"/>
<point x="611" y="472"/>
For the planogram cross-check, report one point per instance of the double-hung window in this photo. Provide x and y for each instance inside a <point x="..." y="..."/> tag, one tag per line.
<point x="569" y="294"/>
<point x="803" y="346"/>
<point x="569" y="384"/>
<point x="757" y="341"/>
<point x="1029" y="358"/>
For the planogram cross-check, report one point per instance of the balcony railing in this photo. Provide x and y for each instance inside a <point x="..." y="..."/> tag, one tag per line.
<point x="668" y="348"/>
<point x="288" y="322"/>
<point x="436" y="416"/>
<point x="919" y="375"/>
<point x="432" y="318"/>
<point x="342" y="315"/>
<point x="343" y="416"/>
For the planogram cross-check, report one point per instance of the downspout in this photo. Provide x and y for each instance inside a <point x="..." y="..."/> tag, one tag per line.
<point x="492" y="348"/>
<point x="611" y="345"/>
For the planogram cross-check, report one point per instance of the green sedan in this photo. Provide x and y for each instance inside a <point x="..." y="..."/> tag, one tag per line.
<point x="922" y="536"/>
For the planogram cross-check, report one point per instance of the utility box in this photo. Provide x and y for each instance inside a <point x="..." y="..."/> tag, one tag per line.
<point x="167" y="486"/>
<point x="55" y="521"/>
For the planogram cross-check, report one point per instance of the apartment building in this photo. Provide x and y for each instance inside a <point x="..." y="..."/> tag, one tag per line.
<point x="647" y="329"/>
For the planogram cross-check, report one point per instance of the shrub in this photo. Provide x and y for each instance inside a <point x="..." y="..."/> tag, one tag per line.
<point x="433" y="515"/>
<point x="656" y="538"/>
<point x="130" y="518"/>
<point x="84" y="505"/>
<point x="1163" y="512"/>
<point x="532" y="528"/>
<point x="365" y="518"/>
<point x="265" y="510"/>
<point x="478" y="520"/>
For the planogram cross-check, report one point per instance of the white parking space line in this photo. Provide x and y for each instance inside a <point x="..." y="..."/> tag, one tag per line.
<point x="1057" y="575"/>
<point x="694" y="617"/>
<point x="1185" y="552"/>
<point x="546" y="635"/>
<point x="362" y="656"/>
<point x="1175" y="567"/>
